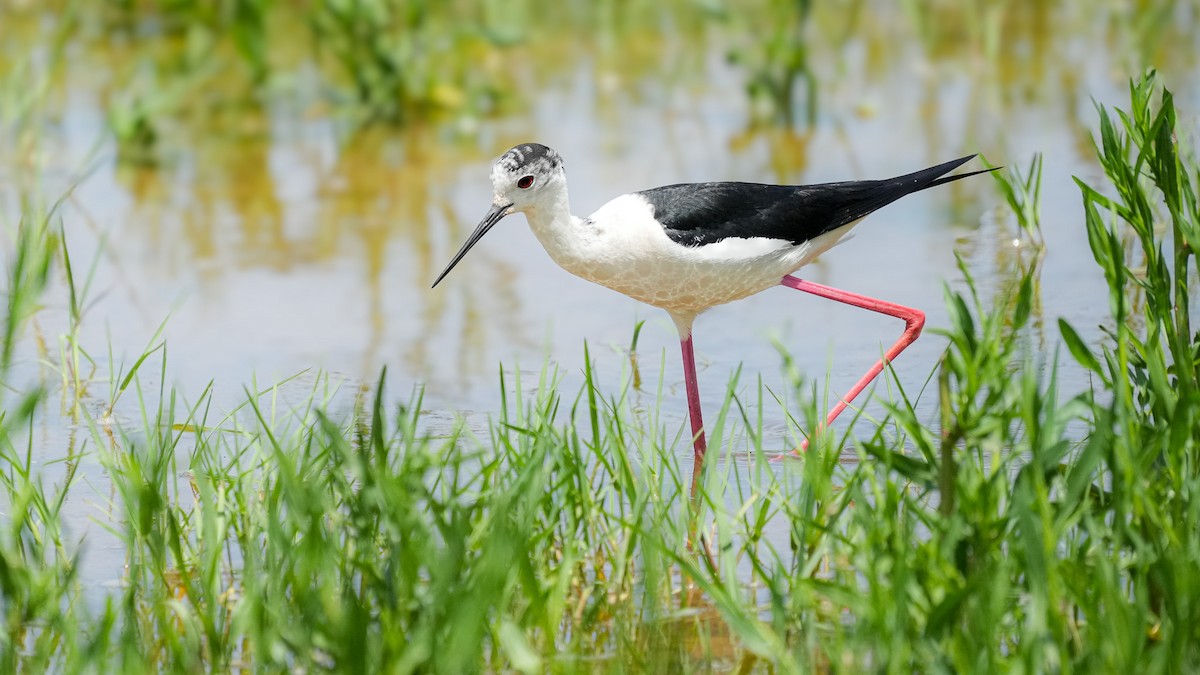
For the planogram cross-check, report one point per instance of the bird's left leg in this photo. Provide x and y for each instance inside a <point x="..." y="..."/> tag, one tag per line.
<point x="914" y="320"/>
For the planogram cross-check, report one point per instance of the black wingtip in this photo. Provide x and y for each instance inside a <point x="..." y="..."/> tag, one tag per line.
<point x="950" y="179"/>
<point x="885" y="192"/>
<point x="944" y="168"/>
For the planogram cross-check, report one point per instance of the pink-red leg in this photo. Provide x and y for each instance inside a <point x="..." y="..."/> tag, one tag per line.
<point x="693" y="397"/>
<point x="698" y="442"/>
<point x="914" y="320"/>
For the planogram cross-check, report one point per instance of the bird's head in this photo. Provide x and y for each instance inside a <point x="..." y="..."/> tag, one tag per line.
<point x="526" y="176"/>
<point x="524" y="179"/>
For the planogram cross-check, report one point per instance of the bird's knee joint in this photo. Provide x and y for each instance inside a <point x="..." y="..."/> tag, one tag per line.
<point x="915" y="322"/>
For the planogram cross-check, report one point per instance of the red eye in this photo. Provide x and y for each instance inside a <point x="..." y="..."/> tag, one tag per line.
<point x="525" y="182"/>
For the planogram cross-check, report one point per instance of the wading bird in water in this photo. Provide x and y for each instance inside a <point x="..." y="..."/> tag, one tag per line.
<point x="692" y="246"/>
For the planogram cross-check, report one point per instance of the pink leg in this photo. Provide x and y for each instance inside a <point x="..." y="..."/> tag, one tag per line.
<point x="914" y="320"/>
<point x="693" y="396"/>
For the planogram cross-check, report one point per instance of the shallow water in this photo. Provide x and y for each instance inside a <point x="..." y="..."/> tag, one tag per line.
<point x="277" y="242"/>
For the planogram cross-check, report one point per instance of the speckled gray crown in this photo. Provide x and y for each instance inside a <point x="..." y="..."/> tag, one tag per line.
<point x="529" y="155"/>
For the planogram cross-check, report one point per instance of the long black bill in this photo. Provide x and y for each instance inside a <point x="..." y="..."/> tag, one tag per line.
<point x="498" y="211"/>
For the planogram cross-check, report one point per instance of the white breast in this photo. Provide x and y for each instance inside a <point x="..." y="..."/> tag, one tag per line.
<point x="622" y="247"/>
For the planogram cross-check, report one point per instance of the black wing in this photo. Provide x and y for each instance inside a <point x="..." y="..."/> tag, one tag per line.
<point x="695" y="214"/>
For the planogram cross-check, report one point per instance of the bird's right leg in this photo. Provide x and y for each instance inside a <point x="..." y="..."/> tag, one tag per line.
<point x="693" y="397"/>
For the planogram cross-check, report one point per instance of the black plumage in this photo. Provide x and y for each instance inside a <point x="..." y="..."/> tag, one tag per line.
<point x="695" y="214"/>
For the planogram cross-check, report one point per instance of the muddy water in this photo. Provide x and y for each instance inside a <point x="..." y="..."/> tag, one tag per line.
<point x="274" y="242"/>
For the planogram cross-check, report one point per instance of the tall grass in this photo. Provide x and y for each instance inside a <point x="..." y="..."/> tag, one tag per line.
<point x="37" y="564"/>
<point x="563" y="538"/>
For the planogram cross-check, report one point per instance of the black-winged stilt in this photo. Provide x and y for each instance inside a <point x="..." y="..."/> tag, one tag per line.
<point x="688" y="247"/>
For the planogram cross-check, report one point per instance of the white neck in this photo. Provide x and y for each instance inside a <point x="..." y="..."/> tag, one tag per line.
<point x="558" y="231"/>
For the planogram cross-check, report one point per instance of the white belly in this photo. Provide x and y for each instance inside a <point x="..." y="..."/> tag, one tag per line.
<point x="686" y="286"/>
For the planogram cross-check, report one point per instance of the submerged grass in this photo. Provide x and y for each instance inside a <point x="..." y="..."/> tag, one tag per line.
<point x="564" y="538"/>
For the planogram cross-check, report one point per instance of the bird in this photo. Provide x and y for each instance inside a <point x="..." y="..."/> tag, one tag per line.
<point x="688" y="247"/>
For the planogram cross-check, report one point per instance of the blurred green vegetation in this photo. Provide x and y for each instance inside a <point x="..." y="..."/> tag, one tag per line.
<point x="364" y="62"/>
